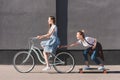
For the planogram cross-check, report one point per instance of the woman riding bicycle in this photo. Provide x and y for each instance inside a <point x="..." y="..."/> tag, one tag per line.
<point x="50" y="45"/>
<point x="94" y="48"/>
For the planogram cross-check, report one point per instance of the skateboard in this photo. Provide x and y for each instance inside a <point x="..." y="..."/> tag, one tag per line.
<point x="92" y="70"/>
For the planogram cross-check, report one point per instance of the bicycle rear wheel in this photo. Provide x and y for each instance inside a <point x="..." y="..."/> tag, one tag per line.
<point x="23" y="62"/>
<point x="64" y="62"/>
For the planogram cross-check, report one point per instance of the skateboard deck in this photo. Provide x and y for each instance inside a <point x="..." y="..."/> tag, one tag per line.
<point x="93" y="70"/>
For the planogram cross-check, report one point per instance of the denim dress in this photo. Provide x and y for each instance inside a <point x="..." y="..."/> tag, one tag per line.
<point x="50" y="45"/>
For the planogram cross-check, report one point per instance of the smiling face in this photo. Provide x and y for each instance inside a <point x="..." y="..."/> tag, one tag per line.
<point x="50" y="21"/>
<point x="79" y="36"/>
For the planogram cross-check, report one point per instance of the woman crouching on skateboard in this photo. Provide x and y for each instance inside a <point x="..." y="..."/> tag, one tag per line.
<point x="94" y="49"/>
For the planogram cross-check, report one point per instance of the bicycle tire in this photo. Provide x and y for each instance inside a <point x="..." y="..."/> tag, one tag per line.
<point x="68" y="62"/>
<point x="23" y="62"/>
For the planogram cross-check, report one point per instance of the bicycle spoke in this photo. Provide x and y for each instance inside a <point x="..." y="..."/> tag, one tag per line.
<point x="64" y="62"/>
<point x="23" y="62"/>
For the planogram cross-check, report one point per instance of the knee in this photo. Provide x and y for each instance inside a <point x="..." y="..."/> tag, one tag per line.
<point x="92" y="58"/>
<point x="85" y="52"/>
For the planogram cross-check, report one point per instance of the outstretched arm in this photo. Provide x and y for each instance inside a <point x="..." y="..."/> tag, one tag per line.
<point x="71" y="45"/>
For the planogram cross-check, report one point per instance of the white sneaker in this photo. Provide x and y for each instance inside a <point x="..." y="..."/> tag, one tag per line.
<point x="86" y="68"/>
<point x="101" y="68"/>
<point x="46" y="68"/>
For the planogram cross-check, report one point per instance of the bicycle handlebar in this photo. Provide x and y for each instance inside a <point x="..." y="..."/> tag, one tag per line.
<point x="31" y="41"/>
<point x="33" y="38"/>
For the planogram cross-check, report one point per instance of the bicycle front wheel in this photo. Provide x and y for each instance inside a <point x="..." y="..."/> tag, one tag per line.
<point x="64" y="62"/>
<point x="23" y="62"/>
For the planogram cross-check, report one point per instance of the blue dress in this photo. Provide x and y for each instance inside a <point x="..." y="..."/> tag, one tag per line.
<point x="50" y="45"/>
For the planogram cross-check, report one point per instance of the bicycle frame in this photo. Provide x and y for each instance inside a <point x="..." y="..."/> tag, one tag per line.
<point x="36" y="50"/>
<point x="60" y="61"/>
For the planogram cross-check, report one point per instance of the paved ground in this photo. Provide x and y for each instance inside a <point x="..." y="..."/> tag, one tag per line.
<point x="7" y="72"/>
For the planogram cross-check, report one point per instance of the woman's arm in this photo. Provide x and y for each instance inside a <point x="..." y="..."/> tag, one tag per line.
<point x="71" y="45"/>
<point x="94" y="45"/>
<point x="46" y="35"/>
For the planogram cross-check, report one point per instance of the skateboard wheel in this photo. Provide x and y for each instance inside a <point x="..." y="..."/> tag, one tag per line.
<point x="105" y="71"/>
<point x="81" y="71"/>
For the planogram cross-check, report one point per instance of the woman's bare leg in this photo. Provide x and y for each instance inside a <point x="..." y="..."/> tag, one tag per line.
<point x="46" y="58"/>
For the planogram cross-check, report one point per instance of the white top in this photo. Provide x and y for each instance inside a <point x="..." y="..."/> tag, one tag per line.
<point x="88" y="42"/>
<point x="51" y="29"/>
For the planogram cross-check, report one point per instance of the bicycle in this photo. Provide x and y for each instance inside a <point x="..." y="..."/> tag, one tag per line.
<point x="24" y="61"/>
